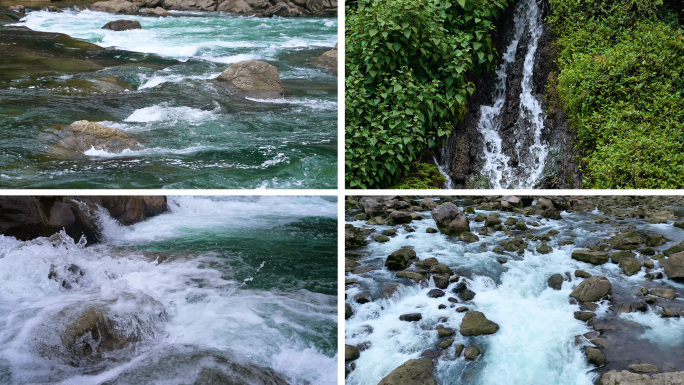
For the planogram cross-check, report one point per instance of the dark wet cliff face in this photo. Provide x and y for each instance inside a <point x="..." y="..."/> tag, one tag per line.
<point x="471" y="157"/>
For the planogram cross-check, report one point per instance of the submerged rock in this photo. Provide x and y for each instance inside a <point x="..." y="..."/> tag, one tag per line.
<point x="471" y="352"/>
<point x="114" y="6"/>
<point x="475" y="323"/>
<point x="253" y="78"/>
<point x="122" y="25"/>
<point x="592" y="289"/>
<point x="351" y="353"/>
<point x="411" y="372"/>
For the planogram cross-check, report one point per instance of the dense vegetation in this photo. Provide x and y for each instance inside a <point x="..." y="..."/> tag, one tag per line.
<point x="407" y="63"/>
<point x="621" y="83"/>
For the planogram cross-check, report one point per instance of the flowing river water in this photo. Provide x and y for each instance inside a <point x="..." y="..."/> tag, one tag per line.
<point x="535" y="343"/>
<point x="194" y="134"/>
<point x="212" y="282"/>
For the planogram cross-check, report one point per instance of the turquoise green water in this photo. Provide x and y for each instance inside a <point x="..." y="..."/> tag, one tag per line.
<point x="193" y="132"/>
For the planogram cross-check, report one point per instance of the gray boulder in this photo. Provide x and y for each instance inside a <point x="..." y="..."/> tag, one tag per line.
<point x="411" y="372"/>
<point x="623" y="377"/>
<point x="592" y="289"/>
<point x="115" y="6"/>
<point x="253" y="78"/>
<point x="475" y="323"/>
<point x="674" y="266"/>
<point x="450" y="220"/>
<point x="328" y="59"/>
<point x="590" y="256"/>
<point x="122" y="25"/>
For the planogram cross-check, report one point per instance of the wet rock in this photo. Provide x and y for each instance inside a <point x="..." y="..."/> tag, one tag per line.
<point x="158" y="11"/>
<point x="441" y="281"/>
<point x="410" y="275"/>
<point x="595" y="356"/>
<point x="674" y="266"/>
<point x="466" y="295"/>
<point x="389" y="232"/>
<point x="461" y="309"/>
<point x="83" y="135"/>
<point x="399" y="217"/>
<point x="555" y="281"/>
<point x="327" y="59"/>
<point x="630" y="266"/>
<point x="674" y="249"/>
<point x="350" y="265"/>
<point x="253" y="78"/>
<point x="475" y="323"/>
<point x="67" y="277"/>
<point x="17" y="8"/>
<point x="52" y="8"/>
<point x="411" y="372"/>
<point x="363" y="270"/>
<point x="115" y="6"/>
<point x="458" y="350"/>
<point x="655" y="240"/>
<point x="42" y="216"/>
<point x="372" y="207"/>
<point x="468" y="237"/>
<point x="441" y="268"/>
<point x="427" y="263"/>
<point x="627" y="241"/>
<point x="450" y="220"/>
<point x="592" y="289"/>
<point x="659" y="216"/>
<point x="445" y="344"/>
<point x="348" y="311"/>
<point x="351" y="353"/>
<point x="492" y="220"/>
<point x="431" y="230"/>
<point x="584" y="316"/>
<point x="381" y="238"/>
<point x="668" y="294"/>
<point x="122" y="25"/>
<point x="668" y="312"/>
<point x="354" y="237"/>
<point x="471" y="352"/>
<point x="615" y="377"/>
<point x="363" y="297"/>
<point x="479" y="218"/>
<point x="400" y="259"/>
<point x="582" y="274"/>
<point x="502" y="260"/>
<point x="618" y="256"/>
<point x="389" y="290"/>
<point x="544" y="249"/>
<point x="428" y="203"/>
<point x="445" y="332"/>
<point x="435" y="293"/>
<point x="643" y="368"/>
<point x="430" y="353"/>
<point x="515" y="244"/>
<point x="411" y="317"/>
<point x="590" y="256"/>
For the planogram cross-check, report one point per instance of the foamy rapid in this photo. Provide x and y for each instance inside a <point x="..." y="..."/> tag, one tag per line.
<point x="182" y="305"/>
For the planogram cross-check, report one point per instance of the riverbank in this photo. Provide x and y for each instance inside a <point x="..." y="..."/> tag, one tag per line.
<point x="557" y="290"/>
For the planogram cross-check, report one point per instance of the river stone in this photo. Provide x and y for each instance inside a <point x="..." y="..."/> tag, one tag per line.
<point x="654" y="239"/>
<point x="445" y="332"/>
<point x="582" y="274"/>
<point x="410" y="275"/>
<point x="468" y="237"/>
<point x="466" y="294"/>
<point x="400" y="259"/>
<point x="544" y="249"/>
<point x="350" y="265"/>
<point x="427" y="262"/>
<point x="254" y="78"/>
<point x="643" y="368"/>
<point x="328" y="59"/>
<point x="584" y="316"/>
<point x="428" y="203"/>
<point x="475" y="323"/>
<point x="389" y="289"/>
<point x="595" y="356"/>
<point x="411" y="372"/>
<point x="17" y="8"/>
<point x="630" y="266"/>
<point x="83" y="135"/>
<point x="348" y="311"/>
<point x="399" y="217"/>
<point x="411" y="317"/>
<point x="674" y="266"/>
<point x="668" y="294"/>
<point x="435" y="293"/>
<point x="441" y="281"/>
<point x="431" y="230"/>
<point x="445" y="344"/>
<point x="555" y="281"/>
<point x="114" y="6"/>
<point x="363" y="297"/>
<point x="592" y="289"/>
<point x="618" y="256"/>
<point x="381" y="238"/>
<point x="372" y="207"/>
<point x="157" y="11"/>
<point x="389" y="232"/>
<point x="441" y="268"/>
<point x="122" y="25"/>
<point x="351" y="353"/>
<point x="450" y="220"/>
<point x="471" y="352"/>
<point x="615" y="377"/>
<point x="627" y="241"/>
<point x="458" y="350"/>
<point x="590" y="256"/>
<point x="492" y="220"/>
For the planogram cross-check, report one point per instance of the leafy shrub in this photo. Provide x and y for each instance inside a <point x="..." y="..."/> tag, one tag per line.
<point x="421" y="176"/>
<point x="406" y="64"/>
<point x="621" y="83"/>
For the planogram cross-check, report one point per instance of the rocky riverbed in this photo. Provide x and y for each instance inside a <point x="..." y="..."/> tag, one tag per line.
<point x="181" y="99"/>
<point x="156" y="290"/>
<point x="515" y="290"/>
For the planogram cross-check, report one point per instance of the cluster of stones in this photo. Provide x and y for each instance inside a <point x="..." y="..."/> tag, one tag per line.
<point x="633" y="251"/>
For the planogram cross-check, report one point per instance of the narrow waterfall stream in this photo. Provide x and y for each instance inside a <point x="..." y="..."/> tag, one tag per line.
<point x="512" y="153"/>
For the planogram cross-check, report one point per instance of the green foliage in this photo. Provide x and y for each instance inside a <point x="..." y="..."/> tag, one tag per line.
<point x="406" y="64"/>
<point x="421" y="176"/>
<point x="621" y="84"/>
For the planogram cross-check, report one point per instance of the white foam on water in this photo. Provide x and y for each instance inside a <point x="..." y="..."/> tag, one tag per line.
<point x="314" y="104"/>
<point x="153" y="81"/>
<point x="100" y="153"/>
<point x="164" y="113"/>
<point x="662" y="331"/>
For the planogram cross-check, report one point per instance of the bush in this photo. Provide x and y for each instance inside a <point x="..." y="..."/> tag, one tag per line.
<point x="621" y="83"/>
<point x="406" y="65"/>
<point x="421" y="176"/>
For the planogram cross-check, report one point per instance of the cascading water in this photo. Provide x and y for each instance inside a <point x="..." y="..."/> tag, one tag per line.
<point x="514" y="155"/>
<point x="536" y="341"/>
<point x="215" y="283"/>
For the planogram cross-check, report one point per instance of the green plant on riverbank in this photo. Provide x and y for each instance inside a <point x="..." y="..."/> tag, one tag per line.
<point x="421" y="176"/>
<point x="621" y="83"/>
<point x="406" y="65"/>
